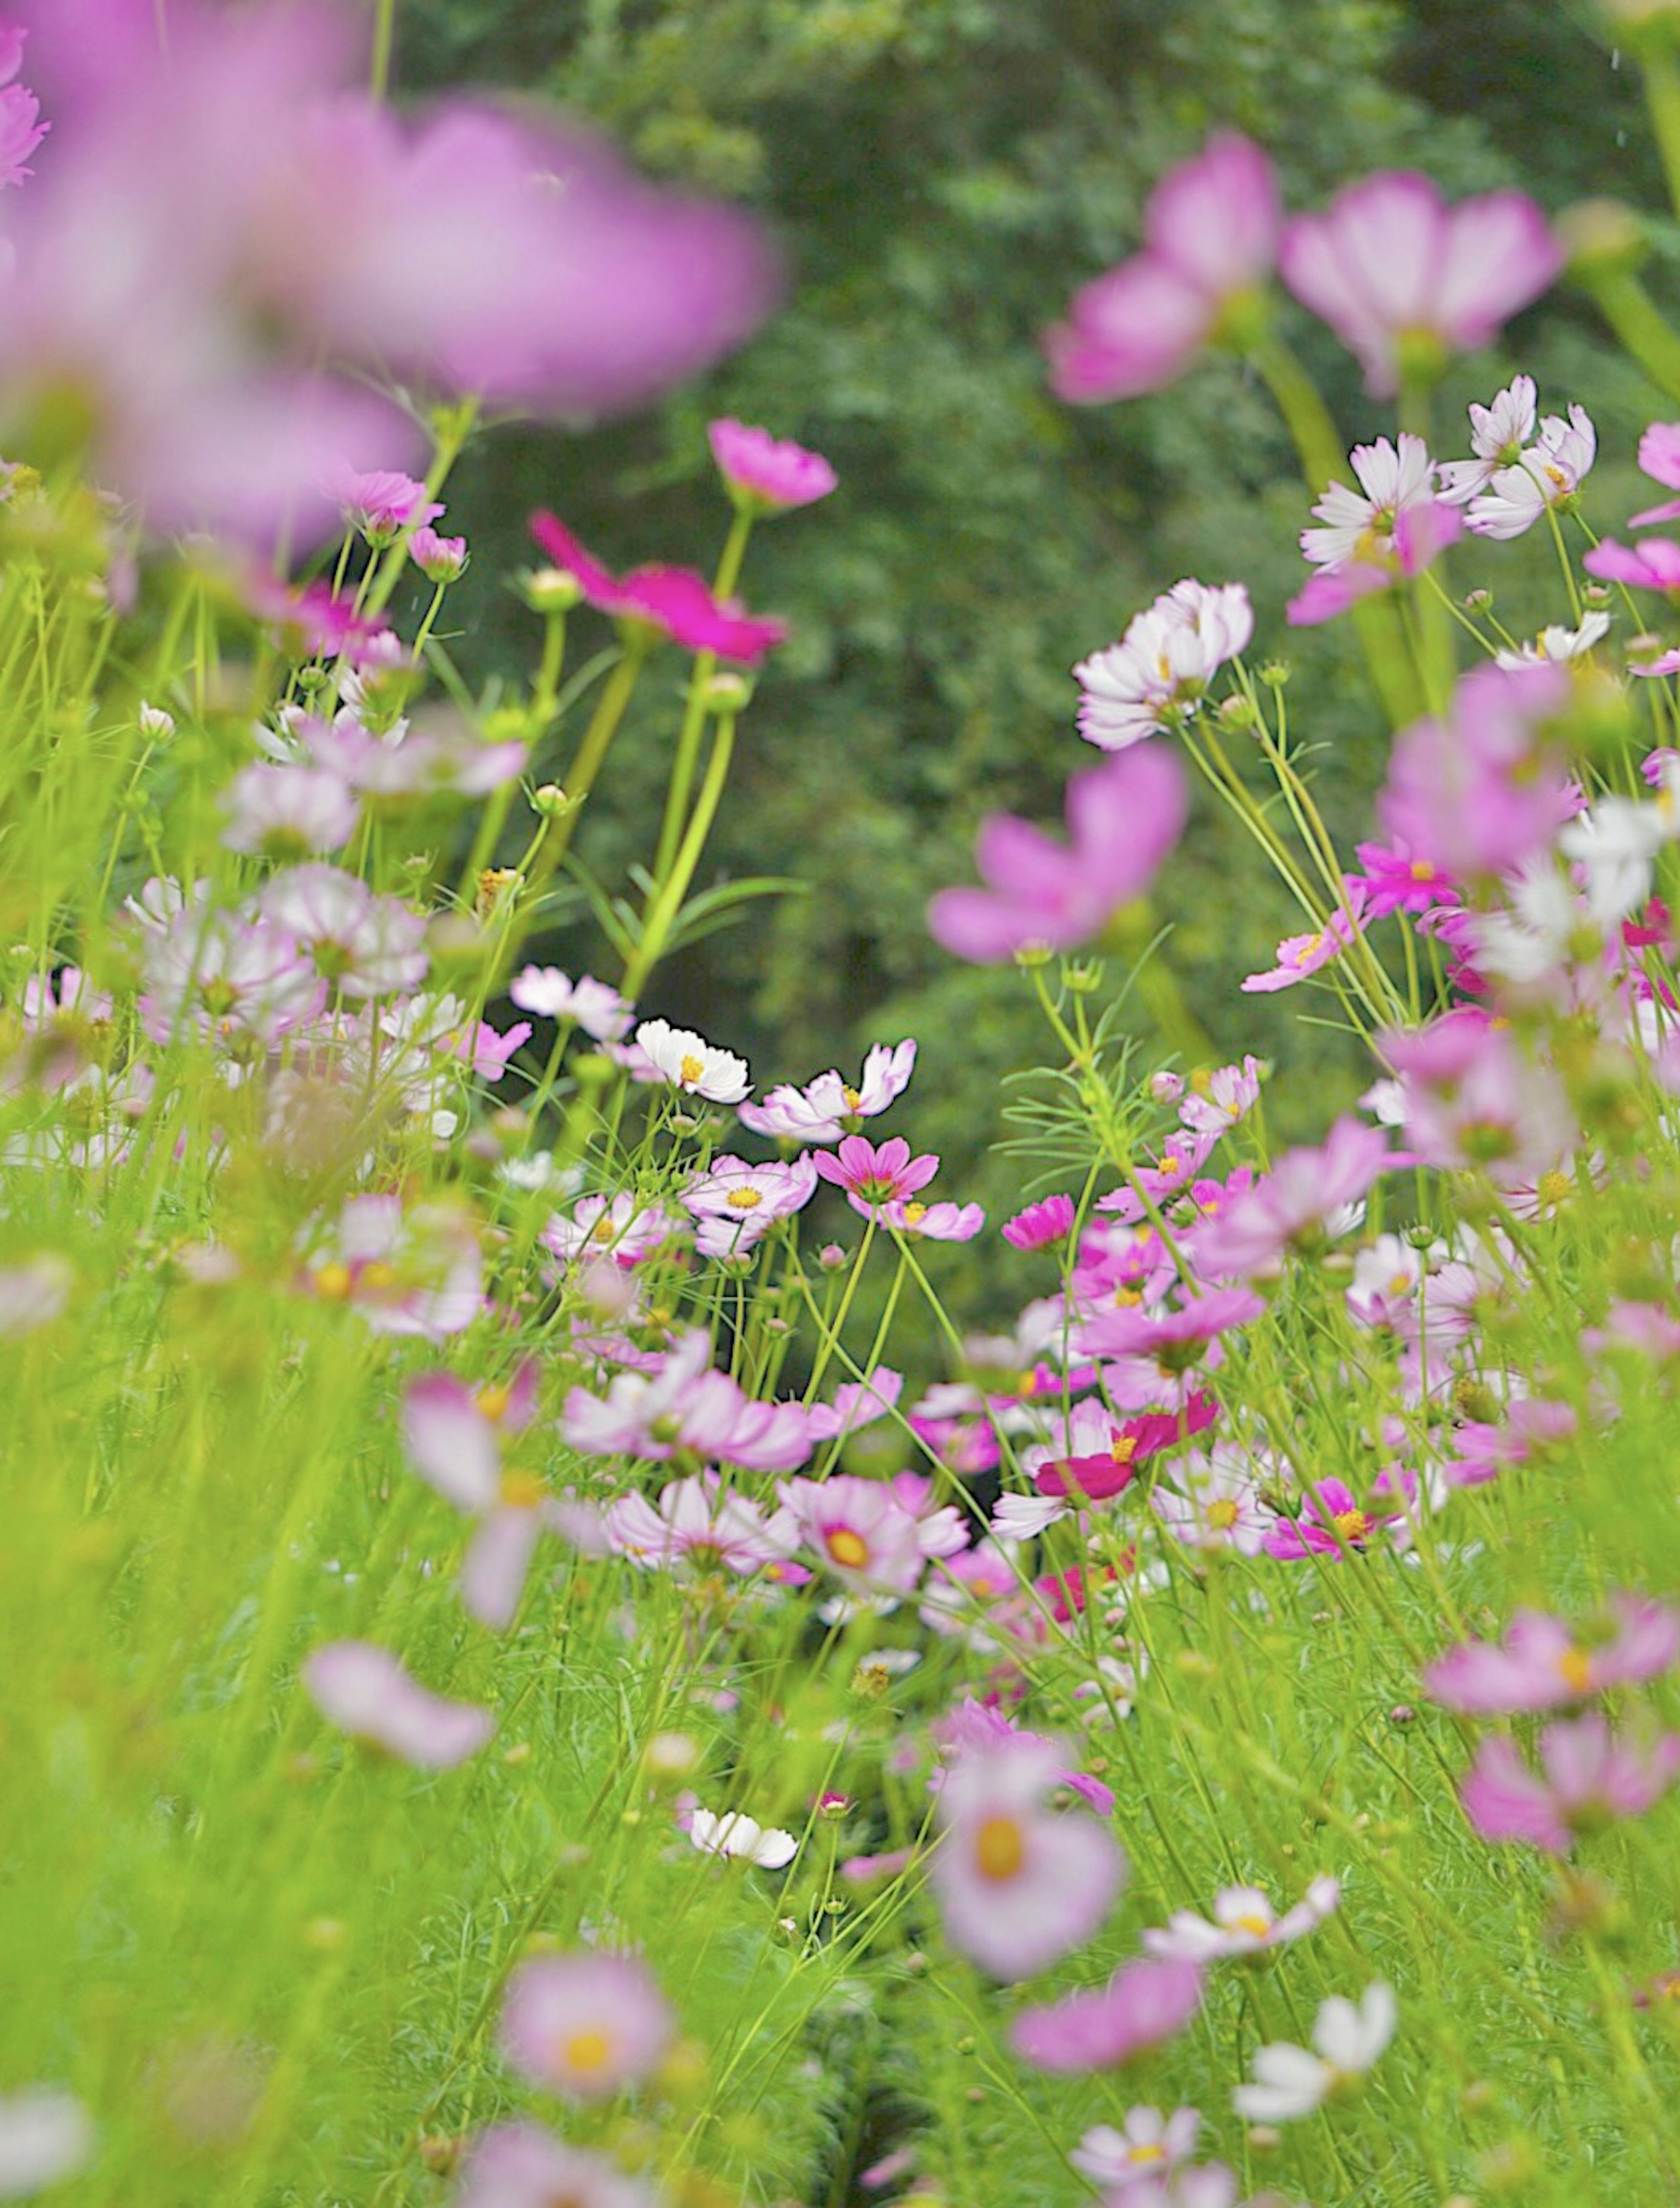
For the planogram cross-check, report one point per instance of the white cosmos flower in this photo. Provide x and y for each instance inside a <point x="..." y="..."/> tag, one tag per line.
<point x="46" y="2135"/>
<point x="1347" y="2041"/>
<point x="1557" y="645"/>
<point x="1617" y="841"/>
<point x="1552" y="468"/>
<point x="1497" y="435"/>
<point x="1155" y="676"/>
<point x="1148" y="2144"/>
<point x="738" y="1835"/>
<point x="1243" y="1922"/>
<point x="1362" y="529"/>
<point x="690" y="1063"/>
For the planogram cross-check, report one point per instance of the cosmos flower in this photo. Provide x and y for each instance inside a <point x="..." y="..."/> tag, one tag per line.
<point x="365" y="1691"/>
<point x="1244" y="1922"/>
<point x="1153" y="681"/>
<point x="1142" y="2004"/>
<point x="692" y="1065"/>
<point x="829" y="1107"/>
<point x="1543" y="1664"/>
<point x="1347" y="2041"/>
<point x="519" y="2165"/>
<point x="766" y="476"/>
<point x="742" y="1838"/>
<point x="585" y="2024"/>
<point x="1589" y="1779"/>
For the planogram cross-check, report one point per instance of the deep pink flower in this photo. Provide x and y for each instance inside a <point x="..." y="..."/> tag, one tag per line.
<point x="1150" y="1356"/>
<point x="1123" y="818"/>
<point x="1210" y="232"/>
<point x="365" y="1691"/>
<point x="1542" y="1664"/>
<point x="1302" y="1192"/>
<point x="873" y="1177"/>
<point x="1142" y="2005"/>
<point x="766" y="475"/>
<point x="1590" y="1779"/>
<point x="1392" y="268"/>
<point x="676" y="602"/>
<point x="381" y="506"/>
<point x="1019" y="1885"/>
<point x="1397" y="880"/>
<point x="1299" y="956"/>
<point x="585" y="2024"/>
<point x="1330" y="1520"/>
<point x="1040" y="1226"/>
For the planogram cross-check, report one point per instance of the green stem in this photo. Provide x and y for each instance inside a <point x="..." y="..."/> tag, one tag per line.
<point x="693" y="715"/>
<point x="385" y="23"/>
<point x="656" y="928"/>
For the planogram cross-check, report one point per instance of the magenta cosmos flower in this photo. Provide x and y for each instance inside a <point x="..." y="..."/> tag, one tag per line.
<point x="365" y="1692"/>
<point x="864" y="1532"/>
<point x="1019" y="1884"/>
<point x="765" y="474"/>
<point x="21" y="129"/>
<point x="672" y="602"/>
<point x="874" y="1176"/>
<point x="1590" y="1779"/>
<point x="1210" y="237"/>
<point x="585" y="2024"/>
<point x="1395" y="272"/>
<point x="1040" y="1226"/>
<point x="1542" y="1664"/>
<point x="1151" y="1356"/>
<point x="1330" y="1520"/>
<point x="1652" y="565"/>
<point x="519" y="2165"/>
<point x="1141" y="2005"/>
<point x="1123" y="818"/>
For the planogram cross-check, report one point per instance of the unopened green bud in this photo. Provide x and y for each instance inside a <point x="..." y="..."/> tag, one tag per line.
<point x="727" y="692"/>
<point x="549" y="590"/>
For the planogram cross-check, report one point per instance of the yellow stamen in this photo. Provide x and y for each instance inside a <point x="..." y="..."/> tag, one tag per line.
<point x="914" y="1214"/>
<point x="690" y="1070"/>
<point x="1554" y="1188"/>
<point x="521" y="1490"/>
<point x="1352" y="1525"/>
<point x="1000" y="1849"/>
<point x="1123" y="1449"/>
<point x="1423" y="870"/>
<point x="1258" y="1925"/>
<point x="1148" y="2151"/>
<point x="853" y="1102"/>
<point x="492" y="1403"/>
<point x="1222" y="1514"/>
<point x="1577" y="1670"/>
<point x="378" y="1275"/>
<point x="587" y="2050"/>
<point x="743" y="1199"/>
<point x="332" y="1281"/>
<point x="847" y="1548"/>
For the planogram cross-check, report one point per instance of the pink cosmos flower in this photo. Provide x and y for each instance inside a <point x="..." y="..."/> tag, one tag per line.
<point x="1480" y="792"/>
<point x="698" y="1525"/>
<point x="1472" y="1097"/>
<point x="1304" y="1191"/>
<point x="1397" y="879"/>
<point x="1652" y="565"/>
<point x="1040" y="1226"/>
<point x="857" y="1403"/>
<point x="439" y="752"/>
<point x="1152" y="681"/>
<point x="1330" y="1520"/>
<point x="585" y="2024"/>
<point x="518" y="2165"/>
<point x="440" y="558"/>
<point x="1151" y="1356"/>
<point x="674" y="601"/>
<point x="1394" y="270"/>
<point x="1217" y="1101"/>
<point x="686" y="1405"/>
<point x="288" y="813"/>
<point x="737" y="1203"/>
<point x="418" y="1271"/>
<point x="1142" y="2005"/>
<point x="381" y="506"/>
<point x="1210" y="231"/>
<point x="875" y="1177"/>
<point x="829" y="1106"/>
<point x="1123" y="818"/>
<point x="595" y="1006"/>
<point x="224" y="978"/>
<point x="1244" y="1922"/>
<point x="1590" y="1779"/>
<point x="1660" y="459"/>
<point x="616" y="1227"/>
<point x="1299" y="956"/>
<point x="1542" y="1664"/>
<point x="361" y="944"/>
<point x="1097" y="1456"/>
<point x="365" y="1691"/>
<point x="1147" y="2146"/>
<point x="971" y="1728"/>
<point x="765" y="475"/>
<point x="21" y="129"/>
<point x="1361" y="530"/>
<point x="862" y="1532"/>
<point x="933" y="1222"/>
<point x="1019" y="1885"/>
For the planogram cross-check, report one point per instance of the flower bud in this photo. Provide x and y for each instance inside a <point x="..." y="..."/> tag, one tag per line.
<point x="549" y="590"/>
<point x="550" y="801"/>
<point x="727" y="692"/>
<point x="831" y="1256"/>
<point x="155" y="722"/>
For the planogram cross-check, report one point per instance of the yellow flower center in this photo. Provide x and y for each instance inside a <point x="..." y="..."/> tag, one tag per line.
<point x="492" y="1403"/>
<point x="743" y="1199"/>
<point x="1000" y="1849"/>
<point x="1577" y="1670"/>
<point x="1148" y="2151"/>
<point x="1554" y="1187"/>
<point x="1125" y="1297"/>
<point x="521" y="1490"/>
<point x="1123" y="1449"/>
<point x="1352" y="1525"/>
<point x="690" y="1070"/>
<point x="378" y="1275"/>
<point x="587" y="2050"/>
<point x="1254" y="1923"/>
<point x="853" y="1102"/>
<point x="1423" y="870"/>
<point x="914" y="1214"/>
<point x="847" y="1548"/>
<point x="1308" y="947"/>
<point x="1171" y="1166"/>
<point x="1202" y="1084"/>
<point x="332" y="1281"/>
<point x="1222" y="1514"/>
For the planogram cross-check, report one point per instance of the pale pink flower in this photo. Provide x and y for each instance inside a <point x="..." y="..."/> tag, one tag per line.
<point x="1019" y="1885"/>
<point x="1152" y="1357"/>
<point x="224" y="978"/>
<point x="1148" y="2144"/>
<point x="861" y="1532"/>
<point x="857" y="1403"/>
<point x="518" y="2165"/>
<point x="1472" y="1097"/>
<point x="1303" y="1191"/>
<point x="361" y="944"/>
<point x="765" y="475"/>
<point x="1142" y="2004"/>
<point x="1660" y="459"/>
<point x="829" y="1107"/>
<point x="288" y="813"/>
<point x="697" y="1526"/>
<point x="1477" y="792"/>
<point x="1217" y="1503"/>
<point x="1592" y="1779"/>
<point x="1542" y="1664"/>
<point x="1299" y="956"/>
<point x="1153" y="681"/>
<point x="21" y="129"/>
<point x="1210" y="232"/>
<point x="933" y="1222"/>
<point x="585" y="2024"/>
<point x="365" y="1691"/>
<point x="1244" y="1922"/>
<point x="737" y="1203"/>
<point x="619" y="1227"/>
<point x="35" y="1293"/>
<point x="1498" y="434"/>
<point x="1123" y="818"/>
<point x="1215" y="1103"/>
<point x="686" y="1404"/>
<point x="1395" y="272"/>
<point x="595" y="1006"/>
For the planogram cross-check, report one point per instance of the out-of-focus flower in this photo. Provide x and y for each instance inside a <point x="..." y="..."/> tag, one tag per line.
<point x="1542" y="1664"/>
<point x="1652" y="565"/>
<point x="1244" y="1922"/>
<point x="1558" y="645"/>
<point x="1347" y="2041"/>
<point x="765" y="475"/>
<point x="381" y="506"/>
<point x="366" y="1692"/>
<point x="742" y="1838"/>
<point x="1210" y="232"/>
<point x="595" y="1006"/>
<point x="1154" y="679"/>
<point x="1660" y="459"/>
<point x="33" y="1293"/>
<point x="684" y="1403"/>
<point x="1590" y="1779"/>
<point x="585" y="2024"/>
<point x="673" y="601"/>
<point x="1142" y="2004"/>
<point x="1151" y="1357"/>
<point x="1019" y="1884"/>
<point x="1480" y="792"/>
<point x="1472" y="1097"/>
<point x="1401" y="277"/>
<point x="519" y="2165"/>
<point x="829" y="1107"/>
<point x="361" y="943"/>
<point x="1123" y="818"/>
<point x="288" y="813"/>
<point x="1148" y="2144"/>
<point x="692" y="1065"/>
<point x="1304" y="1191"/>
<point x="45" y="2136"/>
<point x="617" y="1226"/>
<point x="697" y="1526"/>
<point x="21" y="129"/>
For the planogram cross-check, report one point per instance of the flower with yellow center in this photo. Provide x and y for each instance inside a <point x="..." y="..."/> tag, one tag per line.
<point x="1001" y="1849"/>
<point x="848" y="1549"/>
<point x="1352" y="1525"/>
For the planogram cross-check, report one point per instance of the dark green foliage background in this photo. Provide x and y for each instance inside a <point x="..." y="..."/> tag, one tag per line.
<point x="941" y="175"/>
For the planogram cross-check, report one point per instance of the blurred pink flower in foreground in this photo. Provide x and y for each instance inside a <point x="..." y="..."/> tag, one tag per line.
<point x="365" y="1691"/>
<point x="1480" y="791"/>
<point x="1398" y="275"/>
<point x="1123" y="818"/>
<point x="585" y="2024"/>
<point x="519" y="2165"/>
<point x="1543" y="1664"/>
<point x="21" y="129"/>
<point x="1590" y="1779"/>
<point x="1210" y="232"/>
<point x="1142" y="2005"/>
<point x="218" y="219"/>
